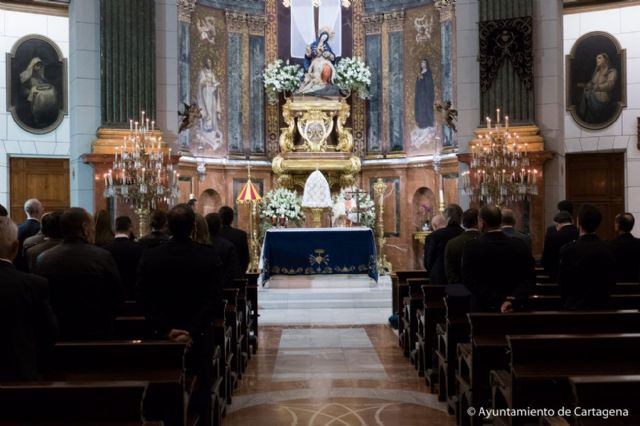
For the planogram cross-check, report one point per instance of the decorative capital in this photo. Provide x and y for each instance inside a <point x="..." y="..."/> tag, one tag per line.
<point x="256" y="24"/>
<point x="185" y="9"/>
<point x="373" y="24"/>
<point x="446" y="9"/>
<point x="395" y="20"/>
<point x="236" y="22"/>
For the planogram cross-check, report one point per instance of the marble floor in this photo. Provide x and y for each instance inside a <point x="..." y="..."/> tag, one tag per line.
<point x="312" y="375"/>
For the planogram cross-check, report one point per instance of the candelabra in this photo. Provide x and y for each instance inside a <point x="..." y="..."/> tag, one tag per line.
<point x="500" y="171"/>
<point x="384" y="266"/>
<point x="142" y="174"/>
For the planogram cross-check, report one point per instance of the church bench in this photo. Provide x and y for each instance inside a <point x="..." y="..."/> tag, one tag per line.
<point x="487" y="348"/>
<point x="63" y="403"/>
<point x="160" y="363"/>
<point x="243" y="317"/>
<point x="553" y="302"/>
<point x="455" y="330"/>
<point x="606" y="392"/>
<point x="131" y="308"/>
<point x="433" y="312"/>
<point x="400" y="289"/>
<point x="409" y="323"/>
<point x="132" y="327"/>
<point x="232" y="320"/>
<point x="551" y="289"/>
<point x="252" y="297"/>
<point x="541" y="366"/>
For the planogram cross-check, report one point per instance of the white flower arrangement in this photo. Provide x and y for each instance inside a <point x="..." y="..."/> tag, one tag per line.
<point x="281" y="202"/>
<point x="279" y="77"/>
<point x="363" y="209"/>
<point x="353" y="75"/>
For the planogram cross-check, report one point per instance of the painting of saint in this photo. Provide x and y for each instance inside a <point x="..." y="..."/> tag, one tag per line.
<point x="596" y="80"/>
<point x="36" y="84"/>
<point x="424" y="96"/>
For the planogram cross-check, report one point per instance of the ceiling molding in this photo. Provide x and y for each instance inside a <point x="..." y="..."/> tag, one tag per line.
<point x="579" y="6"/>
<point x="43" y="7"/>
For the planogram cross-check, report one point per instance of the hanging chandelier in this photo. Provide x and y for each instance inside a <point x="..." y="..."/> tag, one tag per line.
<point x="315" y="3"/>
<point x="143" y="175"/>
<point x="500" y="171"/>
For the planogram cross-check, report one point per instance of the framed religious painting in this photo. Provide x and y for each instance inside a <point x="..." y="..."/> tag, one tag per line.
<point x="596" y="80"/>
<point x="36" y="84"/>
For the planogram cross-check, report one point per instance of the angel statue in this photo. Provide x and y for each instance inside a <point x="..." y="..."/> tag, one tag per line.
<point x="189" y="116"/>
<point x="448" y="114"/>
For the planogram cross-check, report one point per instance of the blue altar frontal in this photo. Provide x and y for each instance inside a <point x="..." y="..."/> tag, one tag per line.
<point x="308" y="251"/>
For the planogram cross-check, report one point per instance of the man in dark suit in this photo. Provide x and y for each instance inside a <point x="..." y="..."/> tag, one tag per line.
<point x="236" y="236"/>
<point x="626" y="249"/>
<point x="453" y="251"/>
<point x="180" y="302"/>
<point x="126" y="253"/>
<point x="563" y="206"/>
<point x="30" y="227"/>
<point x="565" y="233"/>
<point x="586" y="274"/>
<point x="496" y="268"/>
<point x="508" y="227"/>
<point x="86" y="290"/>
<point x="3" y="211"/>
<point x="52" y="237"/>
<point x="158" y="234"/>
<point x="29" y="325"/>
<point x="224" y="249"/>
<point x="434" y="251"/>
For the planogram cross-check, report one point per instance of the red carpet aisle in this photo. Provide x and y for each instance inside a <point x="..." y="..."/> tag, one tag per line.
<point x="350" y="375"/>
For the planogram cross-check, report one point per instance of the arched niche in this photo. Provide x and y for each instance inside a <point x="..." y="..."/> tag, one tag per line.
<point x="209" y="202"/>
<point x="424" y="206"/>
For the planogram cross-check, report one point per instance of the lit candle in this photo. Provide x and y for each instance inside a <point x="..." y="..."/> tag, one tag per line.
<point x="535" y="174"/>
<point x="506" y="120"/>
<point x="106" y="182"/>
<point x="498" y="115"/>
<point x="153" y="125"/>
<point x="143" y="173"/>
<point x="110" y="178"/>
<point x="131" y="125"/>
<point x="488" y="123"/>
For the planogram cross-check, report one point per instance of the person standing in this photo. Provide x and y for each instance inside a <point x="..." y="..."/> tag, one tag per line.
<point x="158" y="234"/>
<point x="30" y="227"/>
<point x="126" y="253"/>
<point x="86" y="289"/>
<point x="224" y="249"/>
<point x="586" y="274"/>
<point x="29" y="325"/>
<point x="496" y="269"/>
<point x="237" y="236"/>
<point x="626" y="249"/>
<point x="434" y="251"/>
<point x="564" y="232"/>
<point x="455" y="247"/>
<point x="52" y="237"/>
<point x="508" y="227"/>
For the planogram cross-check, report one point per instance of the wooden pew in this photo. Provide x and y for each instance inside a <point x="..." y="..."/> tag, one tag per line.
<point x="433" y="312"/>
<point x="409" y="323"/>
<point x="606" y="392"/>
<point x="231" y="319"/>
<point x="552" y="289"/>
<point x="62" y="403"/>
<point x="400" y="289"/>
<point x="454" y="330"/>
<point x="160" y="363"/>
<point x="252" y="297"/>
<point x="487" y="348"/>
<point x="551" y="303"/>
<point x="541" y="366"/>
<point x="243" y="314"/>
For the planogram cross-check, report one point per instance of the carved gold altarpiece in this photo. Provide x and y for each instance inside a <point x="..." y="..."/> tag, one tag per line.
<point x="315" y="139"/>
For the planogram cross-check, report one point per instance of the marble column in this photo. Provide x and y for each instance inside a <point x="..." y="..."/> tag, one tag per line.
<point x="185" y="10"/>
<point x="256" y="54"/>
<point x="446" y="8"/>
<point x="128" y="72"/>
<point x="394" y="23"/>
<point x="236" y="26"/>
<point x="373" y="49"/>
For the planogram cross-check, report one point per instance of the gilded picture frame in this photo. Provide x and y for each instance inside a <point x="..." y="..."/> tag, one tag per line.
<point x="36" y="84"/>
<point x="596" y="80"/>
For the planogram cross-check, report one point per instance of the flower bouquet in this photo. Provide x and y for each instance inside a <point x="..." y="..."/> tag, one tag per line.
<point x="280" y="206"/>
<point x="353" y="75"/>
<point x="280" y="77"/>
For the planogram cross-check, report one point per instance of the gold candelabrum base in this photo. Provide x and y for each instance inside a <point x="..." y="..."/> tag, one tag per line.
<point x="143" y="221"/>
<point x="384" y="266"/>
<point x="316" y="215"/>
<point x="254" y="251"/>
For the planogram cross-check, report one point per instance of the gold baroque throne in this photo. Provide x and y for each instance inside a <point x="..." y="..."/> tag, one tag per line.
<point x="315" y="139"/>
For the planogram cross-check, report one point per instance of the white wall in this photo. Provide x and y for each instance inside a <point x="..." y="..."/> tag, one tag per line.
<point x="624" y="24"/>
<point x="15" y="142"/>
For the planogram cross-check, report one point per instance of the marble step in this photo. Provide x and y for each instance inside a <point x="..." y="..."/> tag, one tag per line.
<point x="338" y="298"/>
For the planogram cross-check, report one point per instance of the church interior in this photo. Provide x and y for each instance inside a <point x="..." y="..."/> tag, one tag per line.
<point x="320" y="212"/>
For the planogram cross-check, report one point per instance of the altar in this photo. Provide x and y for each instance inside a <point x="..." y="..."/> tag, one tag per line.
<point x="311" y="251"/>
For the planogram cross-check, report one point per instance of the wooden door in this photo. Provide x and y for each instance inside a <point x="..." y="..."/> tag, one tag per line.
<point x="46" y="179"/>
<point x="597" y="179"/>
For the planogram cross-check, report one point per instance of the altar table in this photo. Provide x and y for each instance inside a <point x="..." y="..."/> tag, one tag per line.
<point x="308" y="251"/>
